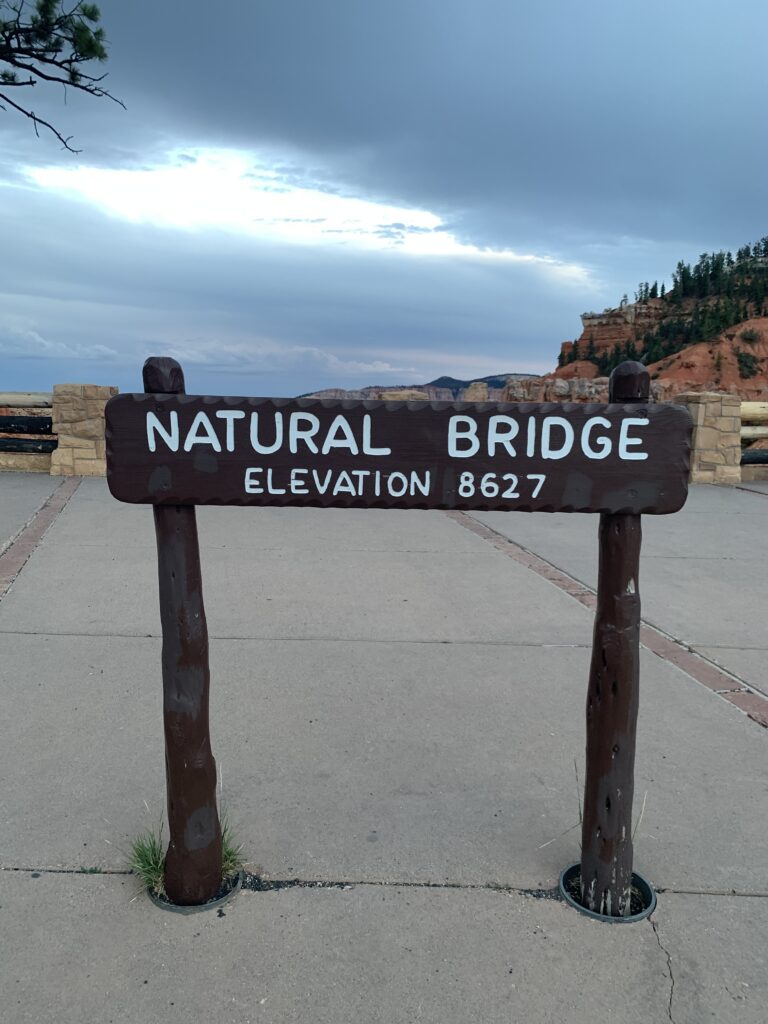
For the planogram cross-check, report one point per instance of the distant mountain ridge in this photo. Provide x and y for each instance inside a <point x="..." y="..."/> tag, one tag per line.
<point x="442" y="389"/>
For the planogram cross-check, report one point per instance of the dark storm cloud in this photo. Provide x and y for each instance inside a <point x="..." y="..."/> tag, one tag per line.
<point x="616" y="136"/>
<point x="546" y="125"/>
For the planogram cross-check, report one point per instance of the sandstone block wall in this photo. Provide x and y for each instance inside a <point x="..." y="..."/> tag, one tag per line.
<point x="78" y="419"/>
<point x="25" y="462"/>
<point x="716" y="443"/>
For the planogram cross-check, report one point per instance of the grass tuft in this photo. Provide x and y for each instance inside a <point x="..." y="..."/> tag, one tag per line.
<point x="147" y="857"/>
<point x="147" y="860"/>
<point x="231" y="851"/>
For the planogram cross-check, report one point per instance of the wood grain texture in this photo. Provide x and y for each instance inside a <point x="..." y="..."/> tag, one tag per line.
<point x="26" y="425"/>
<point x="210" y="461"/>
<point x="613" y="696"/>
<point x="28" y="445"/>
<point x="193" y="859"/>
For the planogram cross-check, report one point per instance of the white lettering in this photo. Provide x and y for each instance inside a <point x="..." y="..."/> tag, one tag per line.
<point x="625" y="440"/>
<point x="298" y="486"/>
<point x="230" y="415"/>
<point x="347" y="440"/>
<point x="296" y="434"/>
<point x="270" y="488"/>
<point x="154" y="426"/>
<point x="468" y="434"/>
<point x="208" y="436"/>
<point x="605" y="445"/>
<point x="501" y="430"/>
<point x="417" y="484"/>
<point x="265" y="449"/>
<point x="367" y="448"/>
<point x="399" y="479"/>
<point x="540" y="478"/>
<point x="322" y="488"/>
<point x="252" y="485"/>
<point x="547" y="451"/>
<point x="361" y="474"/>
<point x="344" y="483"/>
<point x="531" y="446"/>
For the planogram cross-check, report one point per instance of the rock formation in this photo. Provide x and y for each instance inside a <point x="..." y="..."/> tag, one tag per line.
<point x="735" y="361"/>
<point x="444" y="389"/>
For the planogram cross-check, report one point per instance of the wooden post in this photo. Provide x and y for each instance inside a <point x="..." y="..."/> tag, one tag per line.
<point x="612" y="696"/>
<point x="193" y="860"/>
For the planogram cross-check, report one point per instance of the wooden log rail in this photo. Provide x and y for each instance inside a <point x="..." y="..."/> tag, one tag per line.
<point x="754" y="420"/>
<point x="26" y="399"/>
<point x="754" y="427"/>
<point x="27" y="435"/>
<point x="26" y="425"/>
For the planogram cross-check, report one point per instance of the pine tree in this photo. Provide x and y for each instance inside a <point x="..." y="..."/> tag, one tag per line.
<point x="49" y="43"/>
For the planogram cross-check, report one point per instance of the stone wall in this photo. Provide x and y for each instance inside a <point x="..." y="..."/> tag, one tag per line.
<point x="25" y="462"/>
<point x="716" y="443"/>
<point x="78" y="419"/>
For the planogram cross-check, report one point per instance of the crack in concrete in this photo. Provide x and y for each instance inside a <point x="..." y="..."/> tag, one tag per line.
<point x="263" y="883"/>
<point x="740" y="893"/>
<point x="666" y="953"/>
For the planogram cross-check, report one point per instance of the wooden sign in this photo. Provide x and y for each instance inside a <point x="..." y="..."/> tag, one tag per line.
<point x="176" y="449"/>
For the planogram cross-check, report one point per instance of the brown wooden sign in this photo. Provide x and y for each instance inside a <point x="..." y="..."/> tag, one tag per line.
<point x="622" y="459"/>
<point x="176" y="449"/>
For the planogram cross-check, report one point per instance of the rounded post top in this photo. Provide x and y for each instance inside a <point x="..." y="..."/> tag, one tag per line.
<point x="163" y="375"/>
<point x="629" y="382"/>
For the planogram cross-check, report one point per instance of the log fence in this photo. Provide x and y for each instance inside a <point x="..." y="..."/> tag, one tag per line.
<point x="26" y="423"/>
<point x="754" y="427"/>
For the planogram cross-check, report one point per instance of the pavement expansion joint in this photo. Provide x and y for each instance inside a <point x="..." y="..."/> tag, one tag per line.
<point x="39" y="872"/>
<point x="745" y="894"/>
<point x="307" y="639"/>
<point x="260" y="883"/>
<point x="255" y="882"/>
<point x="666" y="953"/>
<point x="725" y="683"/>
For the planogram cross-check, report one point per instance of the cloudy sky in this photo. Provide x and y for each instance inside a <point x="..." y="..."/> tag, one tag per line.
<point x="315" y="193"/>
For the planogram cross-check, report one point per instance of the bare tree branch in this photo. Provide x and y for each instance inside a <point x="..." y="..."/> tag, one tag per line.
<point x="88" y="86"/>
<point x="39" y="120"/>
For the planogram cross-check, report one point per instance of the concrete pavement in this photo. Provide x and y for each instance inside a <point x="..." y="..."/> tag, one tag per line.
<point x="396" y="709"/>
<point x="21" y="495"/>
<point x="702" y="572"/>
